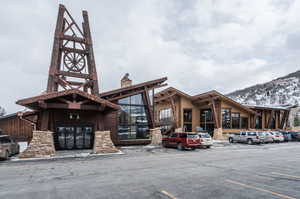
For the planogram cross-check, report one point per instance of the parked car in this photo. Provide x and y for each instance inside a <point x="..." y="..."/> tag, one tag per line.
<point x="295" y="136"/>
<point x="8" y="147"/>
<point x="286" y="135"/>
<point x="247" y="137"/>
<point x="182" y="140"/>
<point x="205" y="140"/>
<point x="268" y="137"/>
<point x="277" y="136"/>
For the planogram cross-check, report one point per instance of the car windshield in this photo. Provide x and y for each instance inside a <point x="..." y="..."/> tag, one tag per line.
<point x="192" y="136"/>
<point x="251" y="133"/>
<point x="204" y="135"/>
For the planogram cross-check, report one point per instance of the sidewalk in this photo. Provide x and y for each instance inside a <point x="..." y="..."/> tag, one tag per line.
<point x="65" y="155"/>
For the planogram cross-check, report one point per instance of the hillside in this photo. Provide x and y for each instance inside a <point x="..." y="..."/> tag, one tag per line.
<point x="281" y="91"/>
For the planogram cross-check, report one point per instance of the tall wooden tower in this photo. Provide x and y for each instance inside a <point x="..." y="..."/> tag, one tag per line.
<point x="72" y="62"/>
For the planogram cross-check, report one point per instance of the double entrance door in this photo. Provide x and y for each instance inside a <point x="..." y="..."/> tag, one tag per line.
<point x="74" y="137"/>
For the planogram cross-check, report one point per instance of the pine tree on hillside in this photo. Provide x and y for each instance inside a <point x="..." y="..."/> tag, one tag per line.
<point x="2" y="111"/>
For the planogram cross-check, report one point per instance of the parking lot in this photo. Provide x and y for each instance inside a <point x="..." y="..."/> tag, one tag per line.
<point x="224" y="171"/>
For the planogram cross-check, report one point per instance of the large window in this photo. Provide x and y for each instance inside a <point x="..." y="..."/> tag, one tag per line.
<point x="244" y="123"/>
<point x="132" y="118"/>
<point x="165" y="119"/>
<point x="258" y="122"/>
<point x="235" y="117"/>
<point x="226" y="118"/>
<point x="187" y="120"/>
<point x="206" y="115"/>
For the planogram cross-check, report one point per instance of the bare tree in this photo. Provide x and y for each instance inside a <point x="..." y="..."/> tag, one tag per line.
<point x="2" y="111"/>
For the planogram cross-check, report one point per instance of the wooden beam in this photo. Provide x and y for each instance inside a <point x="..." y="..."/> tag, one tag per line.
<point x="206" y="100"/>
<point x="124" y="96"/>
<point x="173" y="107"/>
<point x="74" y="50"/>
<point x="73" y="38"/>
<point x="148" y="104"/>
<point x="165" y="97"/>
<point x="271" y="117"/>
<point x="45" y="120"/>
<point x="77" y="75"/>
<point x="215" y="114"/>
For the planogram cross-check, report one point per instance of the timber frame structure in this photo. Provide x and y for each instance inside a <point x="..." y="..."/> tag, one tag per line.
<point x="72" y="55"/>
<point x="212" y="111"/>
<point x="72" y="107"/>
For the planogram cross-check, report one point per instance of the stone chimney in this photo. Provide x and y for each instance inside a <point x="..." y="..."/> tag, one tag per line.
<point x="125" y="81"/>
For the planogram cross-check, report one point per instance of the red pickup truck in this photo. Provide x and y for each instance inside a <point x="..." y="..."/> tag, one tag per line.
<point x="182" y="140"/>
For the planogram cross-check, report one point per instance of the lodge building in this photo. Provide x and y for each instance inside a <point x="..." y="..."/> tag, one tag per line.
<point x="213" y="112"/>
<point x="73" y="114"/>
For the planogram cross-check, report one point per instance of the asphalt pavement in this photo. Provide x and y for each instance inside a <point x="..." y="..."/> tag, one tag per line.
<point x="235" y="171"/>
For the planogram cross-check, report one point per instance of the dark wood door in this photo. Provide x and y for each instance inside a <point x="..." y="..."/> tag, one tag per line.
<point x="73" y="137"/>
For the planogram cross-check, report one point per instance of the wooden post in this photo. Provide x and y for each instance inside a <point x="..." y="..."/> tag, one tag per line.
<point x="90" y="56"/>
<point x="217" y="118"/>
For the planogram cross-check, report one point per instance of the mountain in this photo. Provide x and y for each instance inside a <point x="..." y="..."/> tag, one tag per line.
<point x="281" y="91"/>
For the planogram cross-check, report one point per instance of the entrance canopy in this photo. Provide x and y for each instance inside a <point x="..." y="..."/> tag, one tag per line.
<point x="68" y="99"/>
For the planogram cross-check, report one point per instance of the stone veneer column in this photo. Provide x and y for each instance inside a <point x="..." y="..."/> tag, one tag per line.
<point x="41" y="145"/>
<point x="156" y="137"/>
<point x="218" y="134"/>
<point x="103" y="143"/>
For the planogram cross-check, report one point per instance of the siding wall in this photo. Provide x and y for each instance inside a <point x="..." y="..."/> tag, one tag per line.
<point x="17" y="128"/>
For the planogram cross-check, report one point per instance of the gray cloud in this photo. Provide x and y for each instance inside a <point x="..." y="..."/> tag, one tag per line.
<point x="199" y="45"/>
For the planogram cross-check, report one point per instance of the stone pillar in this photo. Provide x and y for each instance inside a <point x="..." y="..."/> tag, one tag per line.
<point x="103" y="143"/>
<point x="218" y="134"/>
<point x="41" y="145"/>
<point x="156" y="137"/>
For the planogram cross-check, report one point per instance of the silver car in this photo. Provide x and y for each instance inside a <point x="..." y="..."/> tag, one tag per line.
<point x="249" y="137"/>
<point x="268" y="137"/>
<point x="8" y="147"/>
<point x="205" y="140"/>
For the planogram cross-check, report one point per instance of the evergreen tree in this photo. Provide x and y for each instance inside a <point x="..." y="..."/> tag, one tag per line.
<point x="2" y="111"/>
<point x="297" y="121"/>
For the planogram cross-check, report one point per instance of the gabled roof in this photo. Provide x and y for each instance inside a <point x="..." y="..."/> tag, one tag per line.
<point x="122" y="92"/>
<point x="171" y="91"/>
<point x="29" y="102"/>
<point x="216" y="94"/>
<point x="270" y="107"/>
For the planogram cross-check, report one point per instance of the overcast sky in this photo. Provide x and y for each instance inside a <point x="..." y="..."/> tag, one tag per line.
<point x="199" y="45"/>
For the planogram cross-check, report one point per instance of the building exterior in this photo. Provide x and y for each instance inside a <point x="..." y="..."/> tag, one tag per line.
<point x="72" y="110"/>
<point x="213" y="112"/>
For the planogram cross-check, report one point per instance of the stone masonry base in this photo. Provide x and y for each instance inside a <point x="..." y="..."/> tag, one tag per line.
<point x="103" y="143"/>
<point x="218" y="134"/>
<point x="156" y="137"/>
<point x="41" y="145"/>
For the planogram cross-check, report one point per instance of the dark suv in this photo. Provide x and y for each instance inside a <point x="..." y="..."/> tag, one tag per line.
<point x="182" y="140"/>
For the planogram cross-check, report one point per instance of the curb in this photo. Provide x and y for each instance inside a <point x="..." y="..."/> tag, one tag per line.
<point x="56" y="158"/>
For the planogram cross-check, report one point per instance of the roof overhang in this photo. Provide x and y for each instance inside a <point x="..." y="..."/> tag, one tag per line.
<point x="132" y="90"/>
<point x="68" y="99"/>
<point x="169" y="93"/>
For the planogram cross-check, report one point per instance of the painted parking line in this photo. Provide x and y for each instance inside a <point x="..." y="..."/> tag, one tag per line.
<point x="168" y="194"/>
<point x="286" y="175"/>
<point x="260" y="189"/>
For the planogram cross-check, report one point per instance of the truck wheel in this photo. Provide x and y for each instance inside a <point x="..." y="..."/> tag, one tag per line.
<point x="6" y="155"/>
<point x="231" y="140"/>
<point x="164" y="143"/>
<point x="193" y="148"/>
<point x="180" y="147"/>
<point x="208" y="147"/>
<point x="250" y="141"/>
